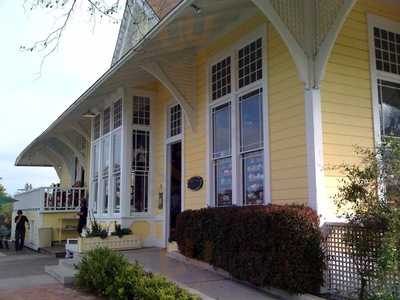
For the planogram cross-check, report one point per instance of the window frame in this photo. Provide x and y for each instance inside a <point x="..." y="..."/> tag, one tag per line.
<point x="147" y="128"/>
<point x="109" y="176"/>
<point x="389" y="25"/>
<point x="233" y="98"/>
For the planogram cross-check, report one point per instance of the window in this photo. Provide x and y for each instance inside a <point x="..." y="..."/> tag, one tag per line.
<point x="251" y="147"/>
<point x="106" y="120"/>
<point x="95" y="182"/>
<point x="106" y="163"/>
<point x="221" y="121"/>
<point x="96" y="130"/>
<point x="386" y="44"/>
<point x="387" y="50"/>
<point x="221" y="78"/>
<point x="117" y="151"/>
<point x="105" y="195"/>
<point x="141" y="110"/>
<point x="250" y="63"/>
<point x="95" y="187"/>
<point x="95" y="161"/>
<point x="237" y="133"/>
<point x="389" y="108"/>
<point x="117" y="114"/>
<point x="116" y="162"/>
<point x="175" y="120"/>
<point x="140" y="170"/>
<point x="117" y="193"/>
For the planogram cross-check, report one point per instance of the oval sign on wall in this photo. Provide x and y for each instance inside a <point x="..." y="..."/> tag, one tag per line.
<point x="195" y="183"/>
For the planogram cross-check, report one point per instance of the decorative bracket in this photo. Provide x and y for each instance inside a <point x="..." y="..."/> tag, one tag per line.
<point x="155" y="70"/>
<point x="73" y="148"/>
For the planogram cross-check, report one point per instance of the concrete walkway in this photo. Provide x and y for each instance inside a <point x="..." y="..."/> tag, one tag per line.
<point x="22" y="277"/>
<point x="206" y="282"/>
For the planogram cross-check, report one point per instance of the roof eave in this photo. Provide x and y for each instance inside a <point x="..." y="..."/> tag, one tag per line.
<point x="125" y="58"/>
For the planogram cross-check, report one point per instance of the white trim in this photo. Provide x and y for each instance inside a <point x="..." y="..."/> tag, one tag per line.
<point x="149" y="129"/>
<point x="315" y="159"/>
<point x="389" y="25"/>
<point x="299" y="57"/>
<point x="168" y="142"/>
<point x="156" y="70"/>
<point x="68" y="143"/>
<point x="232" y="98"/>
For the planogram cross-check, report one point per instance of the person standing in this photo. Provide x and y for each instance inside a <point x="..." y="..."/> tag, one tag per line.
<point x="82" y="216"/>
<point x="20" y="221"/>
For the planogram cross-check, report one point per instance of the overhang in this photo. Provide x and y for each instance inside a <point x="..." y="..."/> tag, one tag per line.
<point x="182" y="32"/>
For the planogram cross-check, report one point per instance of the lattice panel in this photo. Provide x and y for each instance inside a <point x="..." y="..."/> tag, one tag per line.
<point x="342" y="276"/>
<point x="327" y="11"/>
<point x="292" y="14"/>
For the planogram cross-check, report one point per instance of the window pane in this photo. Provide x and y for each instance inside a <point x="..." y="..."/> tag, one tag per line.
<point x="118" y="114"/>
<point x="389" y="94"/>
<point x="387" y="48"/>
<point x="95" y="195"/>
<point x="105" y="155"/>
<point x="221" y="130"/>
<point x="223" y="181"/>
<point x="95" y="160"/>
<point x="105" y="195"/>
<point x="251" y="121"/>
<point x="141" y="150"/>
<point x="96" y="129"/>
<point x="250" y="63"/>
<point x="139" y="192"/>
<point x="221" y="78"/>
<point x="117" y="151"/>
<point x="106" y="120"/>
<point x="175" y="120"/>
<point x="117" y="193"/>
<point x="253" y="178"/>
<point x="141" y="110"/>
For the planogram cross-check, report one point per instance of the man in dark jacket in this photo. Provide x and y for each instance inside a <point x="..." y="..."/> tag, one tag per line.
<point x="83" y="213"/>
<point x="20" y="221"/>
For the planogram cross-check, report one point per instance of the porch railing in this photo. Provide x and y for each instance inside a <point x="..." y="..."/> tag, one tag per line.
<point x="56" y="198"/>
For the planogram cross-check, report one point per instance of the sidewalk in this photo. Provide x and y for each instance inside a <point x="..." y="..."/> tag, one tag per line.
<point x="22" y="277"/>
<point x="206" y="282"/>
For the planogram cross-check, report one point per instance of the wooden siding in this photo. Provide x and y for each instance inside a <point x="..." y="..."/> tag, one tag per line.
<point x="287" y="125"/>
<point x="346" y="93"/>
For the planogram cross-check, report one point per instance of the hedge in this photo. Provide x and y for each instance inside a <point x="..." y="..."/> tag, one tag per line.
<point x="269" y="246"/>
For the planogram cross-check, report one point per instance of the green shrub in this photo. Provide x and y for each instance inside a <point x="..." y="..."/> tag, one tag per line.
<point x="96" y="230"/>
<point x="98" y="269"/>
<point x="120" y="232"/>
<point x="278" y="246"/>
<point x="134" y="283"/>
<point x="109" y="274"/>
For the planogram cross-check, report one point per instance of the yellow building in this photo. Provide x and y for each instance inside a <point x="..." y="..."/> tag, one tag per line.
<point x="230" y="103"/>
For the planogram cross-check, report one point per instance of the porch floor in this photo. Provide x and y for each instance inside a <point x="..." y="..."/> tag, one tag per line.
<point x="206" y="282"/>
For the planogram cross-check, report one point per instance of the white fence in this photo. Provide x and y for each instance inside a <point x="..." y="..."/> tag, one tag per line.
<point x="51" y="199"/>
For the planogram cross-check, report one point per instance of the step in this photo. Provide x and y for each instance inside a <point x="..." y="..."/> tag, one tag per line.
<point x="62" y="273"/>
<point x="69" y="262"/>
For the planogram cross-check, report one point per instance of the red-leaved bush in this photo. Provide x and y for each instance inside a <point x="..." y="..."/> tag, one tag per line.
<point x="271" y="246"/>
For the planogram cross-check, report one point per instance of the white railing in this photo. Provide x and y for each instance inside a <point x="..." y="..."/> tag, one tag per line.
<point x="61" y="199"/>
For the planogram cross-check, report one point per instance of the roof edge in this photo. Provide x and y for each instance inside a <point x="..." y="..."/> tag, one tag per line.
<point x="118" y="64"/>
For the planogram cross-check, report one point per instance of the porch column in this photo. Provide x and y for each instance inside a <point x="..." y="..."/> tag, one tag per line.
<point x="126" y="157"/>
<point x="315" y="161"/>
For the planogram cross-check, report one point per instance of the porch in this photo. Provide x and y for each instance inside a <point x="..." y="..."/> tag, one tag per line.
<point x="52" y="214"/>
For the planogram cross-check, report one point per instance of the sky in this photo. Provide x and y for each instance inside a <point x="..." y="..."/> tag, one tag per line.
<point x="29" y="103"/>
